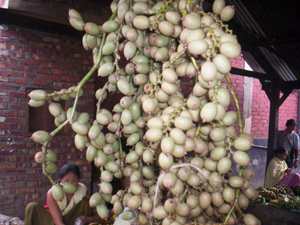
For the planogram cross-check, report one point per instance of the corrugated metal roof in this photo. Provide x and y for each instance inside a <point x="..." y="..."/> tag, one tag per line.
<point x="246" y="19"/>
<point x="255" y="29"/>
<point x="278" y="64"/>
<point x="250" y="59"/>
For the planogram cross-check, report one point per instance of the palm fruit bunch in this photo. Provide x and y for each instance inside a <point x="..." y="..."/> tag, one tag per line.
<point x="182" y="144"/>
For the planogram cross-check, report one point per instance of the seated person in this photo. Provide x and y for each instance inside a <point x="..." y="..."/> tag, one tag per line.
<point x="63" y="212"/>
<point x="278" y="172"/>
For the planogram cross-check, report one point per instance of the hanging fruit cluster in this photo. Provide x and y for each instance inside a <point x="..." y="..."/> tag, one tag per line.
<point x="182" y="144"/>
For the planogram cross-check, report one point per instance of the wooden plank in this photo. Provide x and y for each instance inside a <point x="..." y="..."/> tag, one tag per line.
<point x="57" y="11"/>
<point x="46" y="10"/>
<point x="13" y="17"/>
<point x="248" y="73"/>
<point x="274" y="95"/>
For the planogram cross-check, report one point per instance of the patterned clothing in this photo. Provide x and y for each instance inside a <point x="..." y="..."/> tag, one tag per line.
<point x="275" y="172"/>
<point x="37" y="214"/>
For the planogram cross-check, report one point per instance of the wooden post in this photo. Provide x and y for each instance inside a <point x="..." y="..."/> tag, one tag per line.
<point x="273" y="95"/>
<point x="273" y="92"/>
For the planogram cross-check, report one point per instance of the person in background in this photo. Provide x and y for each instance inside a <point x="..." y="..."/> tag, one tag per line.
<point x="288" y="139"/>
<point x="278" y="172"/>
<point x="277" y="168"/>
<point x="297" y="130"/>
<point x="66" y="211"/>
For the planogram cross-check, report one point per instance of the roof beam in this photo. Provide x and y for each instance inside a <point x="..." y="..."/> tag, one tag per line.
<point x="248" y="73"/>
<point x="292" y="84"/>
<point x="13" y="17"/>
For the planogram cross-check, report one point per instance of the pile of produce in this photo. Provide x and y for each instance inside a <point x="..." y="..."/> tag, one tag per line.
<point x="182" y="143"/>
<point x="279" y="196"/>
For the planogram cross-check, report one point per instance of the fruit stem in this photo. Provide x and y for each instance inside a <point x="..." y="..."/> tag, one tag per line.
<point x="56" y="130"/>
<point x="189" y="165"/>
<point x="236" y="102"/>
<point x="232" y="208"/>
<point x="87" y="77"/>
<point x="100" y="100"/>
<point x="95" y="66"/>
<point x="44" y="150"/>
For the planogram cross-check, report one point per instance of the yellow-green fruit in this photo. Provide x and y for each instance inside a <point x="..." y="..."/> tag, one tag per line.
<point x="227" y="13"/>
<point x="124" y="87"/>
<point x="50" y="168"/>
<point x="110" y="26"/>
<point x="208" y="112"/>
<point x="92" y="28"/>
<point x="100" y="159"/>
<point x="250" y="219"/>
<point x="77" y="24"/>
<point x="79" y="128"/>
<point x="91" y="153"/>
<point x="129" y="50"/>
<point x="57" y="192"/>
<point x="74" y="14"/>
<point x="95" y="200"/>
<point x="106" y="69"/>
<point x="236" y="181"/>
<point x="243" y="142"/>
<point x="34" y="103"/>
<point x="80" y="141"/>
<point x="218" y="5"/>
<point x="83" y="118"/>
<point x="69" y="188"/>
<point x="135" y="111"/>
<point x="192" y="21"/>
<point x="108" y="48"/>
<point x="40" y="136"/>
<point x="133" y="139"/>
<point x="51" y="156"/>
<point x="38" y="95"/>
<point x="241" y="158"/>
<point x="55" y="109"/>
<point x="102" y="211"/>
<point x="141" y="22"/>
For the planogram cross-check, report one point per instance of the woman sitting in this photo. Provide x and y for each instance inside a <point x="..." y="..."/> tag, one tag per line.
<point x="65" y="211"/>
<point x="278" y="172"/>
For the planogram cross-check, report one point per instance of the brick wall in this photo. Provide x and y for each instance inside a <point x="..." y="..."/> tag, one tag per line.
<point x="29" y="60"/>
<point x="238" y="81"/>
<point x="261" y="105"/>
<point x="260" y="111"/>
<point x="288" y="110"/>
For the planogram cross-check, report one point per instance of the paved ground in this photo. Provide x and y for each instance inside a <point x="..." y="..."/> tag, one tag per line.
<point x="6" y="220"/>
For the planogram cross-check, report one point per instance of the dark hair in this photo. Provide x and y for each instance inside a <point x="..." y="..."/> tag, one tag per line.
<point x="68" y="168"/>
<point x="290" y="122"/>
<point x="280" y="151"/>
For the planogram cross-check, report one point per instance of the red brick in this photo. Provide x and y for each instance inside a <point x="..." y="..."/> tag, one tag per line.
<point x="43" y="61"/>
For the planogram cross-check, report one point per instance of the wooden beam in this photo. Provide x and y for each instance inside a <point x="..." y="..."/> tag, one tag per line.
<point x="292" y="84"/>
<point x="264" y="63"/>
<point x="13" y="17"/>
<point x="284" y="97"/>
<point x="273" y="121"/>
<point x="57" y="11"/>
<point x="248" y="73"/>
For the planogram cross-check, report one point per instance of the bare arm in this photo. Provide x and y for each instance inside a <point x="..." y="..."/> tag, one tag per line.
<point x="54" y="210"/>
